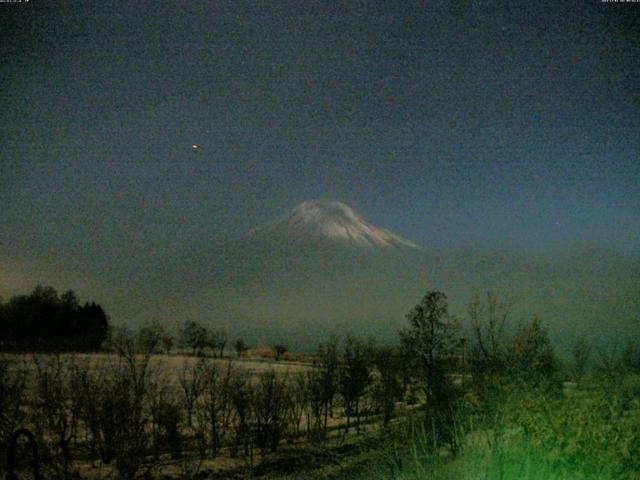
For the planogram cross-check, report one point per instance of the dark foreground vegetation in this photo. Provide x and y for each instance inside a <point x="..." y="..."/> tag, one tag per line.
<point x="489" y="402"/>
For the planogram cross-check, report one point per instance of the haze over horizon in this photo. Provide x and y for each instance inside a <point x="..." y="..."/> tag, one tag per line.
<point x="138" y="133"/>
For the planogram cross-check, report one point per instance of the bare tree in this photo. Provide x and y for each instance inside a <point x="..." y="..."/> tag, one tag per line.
<point x="115" y="407"/>
<point x="388" y="387"/>
<point x="194" y="336"/>
<point x="191" y="380"/>
<point x="489" y="347"/>
<point x="270" y="403"/>
<point x="280" y="350"/>
<point x="217" y="341"/>
<point x="354" y="378"/>
<point x="326" y="363"/>
<point x="240" y="347"/>
<point x="56" y="407"/>
<point x="241" y="395"/>
<point x="13" y="381"/>
<point x="215" y="405"/>
<point x="167" y="342"/>
<point x="316" y="394"/>
<point x="532" y="357"/>
<point x="165" y="415"/>
<point x="150" y="337"/>
<point x="431" y="336"/>
<point x="299" y="401"/>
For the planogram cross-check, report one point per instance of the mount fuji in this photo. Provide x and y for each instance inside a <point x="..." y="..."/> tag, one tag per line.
<point x="330" y="220"/>
<point x="322" y="268"/>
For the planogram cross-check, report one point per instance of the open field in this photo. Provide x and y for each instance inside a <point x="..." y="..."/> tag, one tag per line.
<point x="170" y="364"/>
<point x="179" y="416"/>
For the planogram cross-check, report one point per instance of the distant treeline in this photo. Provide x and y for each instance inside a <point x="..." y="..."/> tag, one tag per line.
<point x="46" y="321"/>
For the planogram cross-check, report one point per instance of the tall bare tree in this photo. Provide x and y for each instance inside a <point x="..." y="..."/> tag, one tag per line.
<point x="388" y="387"/>
<point x="354" y="378"/>
<point x="431" y="338"/>
<point x="488" y="321"/>
<point x="533" y="357"/>
<point x="192" y="382"/>
<point x="326" y="364"/>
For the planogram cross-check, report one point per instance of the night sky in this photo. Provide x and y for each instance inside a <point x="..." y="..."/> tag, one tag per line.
<point x="473" y="123"/>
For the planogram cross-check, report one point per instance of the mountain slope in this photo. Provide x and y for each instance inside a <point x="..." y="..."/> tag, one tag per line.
<point x="330" y="220"/>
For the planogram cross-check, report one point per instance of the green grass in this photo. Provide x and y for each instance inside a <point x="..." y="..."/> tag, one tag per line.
<point x="528" y="433"/>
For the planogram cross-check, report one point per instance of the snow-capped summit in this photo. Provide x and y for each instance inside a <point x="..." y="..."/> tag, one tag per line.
<point x="333" y="220"/>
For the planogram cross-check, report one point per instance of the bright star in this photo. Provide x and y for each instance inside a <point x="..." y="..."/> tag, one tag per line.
<point x="194" y="146"/>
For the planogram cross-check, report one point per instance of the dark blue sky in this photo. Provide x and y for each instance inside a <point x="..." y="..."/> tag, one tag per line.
<point x="515" y="123"/>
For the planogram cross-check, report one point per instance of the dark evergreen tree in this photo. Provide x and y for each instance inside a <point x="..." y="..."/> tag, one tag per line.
<point x="44" y="321"/>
